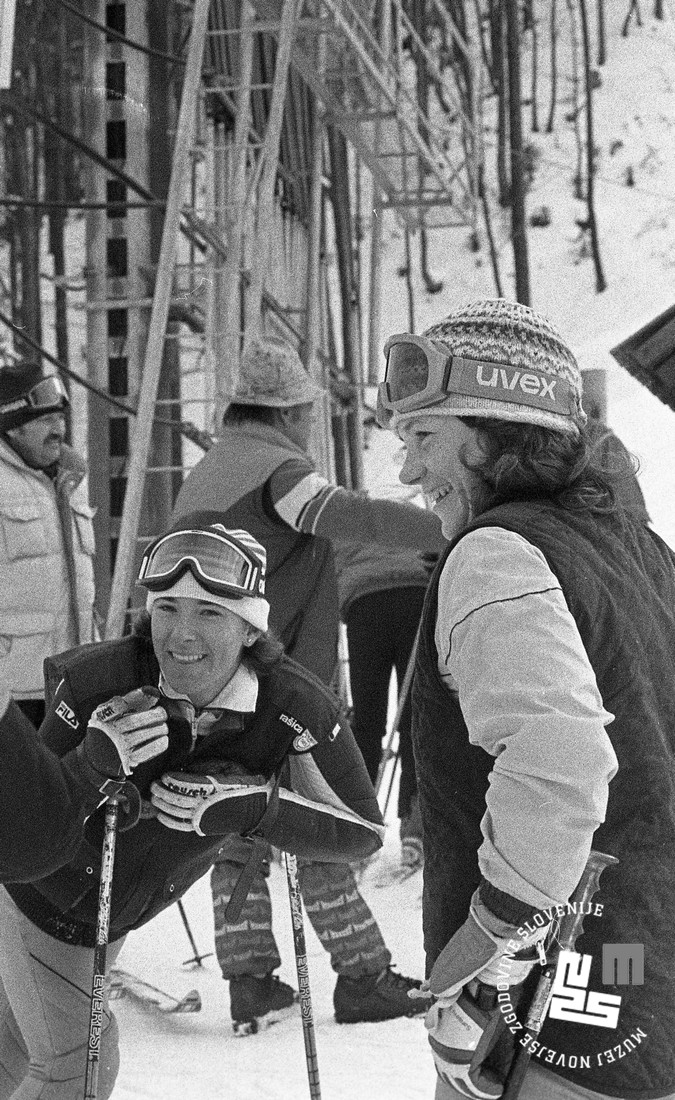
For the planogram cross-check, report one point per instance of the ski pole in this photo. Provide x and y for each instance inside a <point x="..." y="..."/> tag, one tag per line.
<point x="196" y="958"/>
<point x="392" y="777"/>
<point x="571" y="927"/>
<point x="387" y="752"/>
<point x="303" y="976"/>
<point x="100" y="949"/>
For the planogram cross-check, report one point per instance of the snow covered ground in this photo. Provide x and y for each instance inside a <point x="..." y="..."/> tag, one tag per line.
<point x="196" y="1056"/>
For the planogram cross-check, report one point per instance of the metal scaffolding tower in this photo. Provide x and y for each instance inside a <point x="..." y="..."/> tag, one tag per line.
<point x="263" y="83"/>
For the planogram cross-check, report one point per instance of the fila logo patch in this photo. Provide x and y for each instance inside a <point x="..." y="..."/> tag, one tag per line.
<point x="63" y="711"/>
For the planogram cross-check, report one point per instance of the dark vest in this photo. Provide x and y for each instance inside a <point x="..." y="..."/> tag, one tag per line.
<point x="618" y="578"/>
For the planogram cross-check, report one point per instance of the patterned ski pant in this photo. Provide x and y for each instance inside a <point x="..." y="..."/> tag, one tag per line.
<point x="339" y="915"/>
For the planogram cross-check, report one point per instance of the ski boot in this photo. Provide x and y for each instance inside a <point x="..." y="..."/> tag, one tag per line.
<point x="374" y="997"/>
<point x="256" y="1002"/>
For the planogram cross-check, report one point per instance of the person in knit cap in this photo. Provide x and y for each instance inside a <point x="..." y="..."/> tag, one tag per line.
<point x="543" y="703"/>
<point x="46" y="556"/>
<point x="206" y="729"/>
<point x="260" y="475"/>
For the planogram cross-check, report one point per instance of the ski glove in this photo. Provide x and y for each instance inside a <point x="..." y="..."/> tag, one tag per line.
<point x="486" y="948"/>
<point x="123" y="733"/>
<point x="460" y="1034"/>
<point x="230" y="800"/>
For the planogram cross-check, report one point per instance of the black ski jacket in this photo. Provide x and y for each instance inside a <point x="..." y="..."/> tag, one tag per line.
<point x="44" y="802"/>
<point x="327" y="808"/>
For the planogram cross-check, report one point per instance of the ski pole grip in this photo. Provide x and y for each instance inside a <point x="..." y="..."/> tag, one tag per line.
<point x="572" y="924"/>
<point x="571" y="927"/>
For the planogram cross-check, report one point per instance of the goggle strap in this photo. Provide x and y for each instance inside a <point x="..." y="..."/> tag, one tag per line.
<point x="481" y="378"/>
<point x="250" y="585"/>
<point x="503" y="382"/>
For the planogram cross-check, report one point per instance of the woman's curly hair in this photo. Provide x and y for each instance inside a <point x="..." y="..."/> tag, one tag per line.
<point x="526" y="461"/>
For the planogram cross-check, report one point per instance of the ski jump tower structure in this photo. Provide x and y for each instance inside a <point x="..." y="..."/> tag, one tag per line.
<point x="231" y="131"/>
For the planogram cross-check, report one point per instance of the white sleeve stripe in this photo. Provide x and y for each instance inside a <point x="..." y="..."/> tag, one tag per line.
<point x="307" y="777"/>
<point x="341" y="814"/>
<point x="327" y="494"/>
<point x="289" y="508"/>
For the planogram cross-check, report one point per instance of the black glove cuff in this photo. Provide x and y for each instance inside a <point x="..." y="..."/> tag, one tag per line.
<point x="505" y="906"/>
<point x="103" y="783"/>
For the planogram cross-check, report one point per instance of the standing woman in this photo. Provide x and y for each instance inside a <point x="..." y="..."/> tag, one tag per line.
<point x="545" y="670"/>
<point x="245" y="741"/>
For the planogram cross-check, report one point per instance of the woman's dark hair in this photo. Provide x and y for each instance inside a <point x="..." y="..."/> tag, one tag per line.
<point x="526" y="461"/>
<point x="265" y="652"/>
<point x="261" y="657"/>
<point x="239" y="414"/>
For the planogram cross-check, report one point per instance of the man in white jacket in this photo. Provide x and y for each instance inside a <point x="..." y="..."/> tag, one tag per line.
<point x="47" y="539"/>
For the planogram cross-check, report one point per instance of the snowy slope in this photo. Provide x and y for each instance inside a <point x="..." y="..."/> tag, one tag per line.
<point x="196" y="1057"/>
<point x="634" y="127"/>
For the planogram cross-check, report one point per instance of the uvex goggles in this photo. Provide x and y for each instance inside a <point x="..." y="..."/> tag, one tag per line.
<point x="48" y="394"/>
<point x="418" y="375"/>
<point x="225" y="563"/>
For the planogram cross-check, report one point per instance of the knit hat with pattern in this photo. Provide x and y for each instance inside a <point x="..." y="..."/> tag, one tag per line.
<point x="272" y="375"/>
<point x="525" y="366"/>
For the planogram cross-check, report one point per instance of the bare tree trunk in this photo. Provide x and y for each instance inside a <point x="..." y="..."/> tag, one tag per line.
<point x="29" y="222"/>
<point x="600" y="283"/>
<point x="488" y="229"/>
<point x="433" y="286"/>
<point x="658" y="9"/>
<point x="349" y="291"/>
<point x="602" y="38"/>
<point x="554" y="65"/>
<point x="422" y="74"/>
<point x="576" y="108"/>
<point x="488" y="60"/>
<point x="498" y="53"/>
<point x="634" y="7"/>
<point x="518" y="223"/>
<point x="57" y="249"/>
<point x="535" y="67"/>
<point x="409" y="281"/>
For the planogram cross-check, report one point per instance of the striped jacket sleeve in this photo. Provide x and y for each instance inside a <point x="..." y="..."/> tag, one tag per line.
<point x="327" y="808"/>
<point x="327" y="805"/>
<point x="308" y="502"/>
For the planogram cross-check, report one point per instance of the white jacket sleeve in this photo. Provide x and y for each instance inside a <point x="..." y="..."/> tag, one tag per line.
<point x="510" y="647"/>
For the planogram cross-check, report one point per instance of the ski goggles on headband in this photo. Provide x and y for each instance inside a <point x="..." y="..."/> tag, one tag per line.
<point x="418" y="375"/>
<point x="225" y="563"/>
<point x="48" y="394"/>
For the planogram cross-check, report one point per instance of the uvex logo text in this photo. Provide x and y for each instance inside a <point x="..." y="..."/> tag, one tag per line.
<point x="507" y="378"/>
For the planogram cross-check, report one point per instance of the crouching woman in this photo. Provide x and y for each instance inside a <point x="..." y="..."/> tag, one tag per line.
<point x="241" y="740"/>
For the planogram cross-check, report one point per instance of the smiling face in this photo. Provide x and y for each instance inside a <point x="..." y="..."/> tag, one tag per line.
<point x="199" y="645"/>
<point x="435" y="447"/>
<point x="39" y="441"/>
